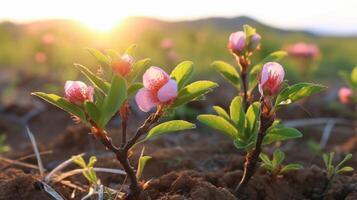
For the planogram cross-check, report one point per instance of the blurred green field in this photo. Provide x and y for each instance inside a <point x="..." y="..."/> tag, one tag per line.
<point x="201" y="41"/>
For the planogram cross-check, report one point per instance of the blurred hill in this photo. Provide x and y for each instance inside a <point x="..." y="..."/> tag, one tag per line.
<point x="24" y="46"/>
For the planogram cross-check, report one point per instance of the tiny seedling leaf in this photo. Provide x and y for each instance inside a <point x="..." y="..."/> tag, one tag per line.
<point x="182" y="73"/>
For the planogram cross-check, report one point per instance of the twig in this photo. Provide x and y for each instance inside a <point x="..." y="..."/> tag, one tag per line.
<point x="71" y="185"/>
<point x="78" y="171"/>
<point x="14" y="162"/>
<point x="59" y="167"/>
<point x="24" y="158"/>
<point x="35" y="149"/>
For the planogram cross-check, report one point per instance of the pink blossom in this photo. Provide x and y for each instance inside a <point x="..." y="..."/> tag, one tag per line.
<point x="77" y="92"/>
<point x="123" y="65"/>
<point x="40" y="57"/>
<point x="303" y="50"/>
<point x="48" y="38"/>
<point x="255" y="41"/>
<point x="237" y="42"/>
<point x="167" y="44"/>
<point x="345" y="95"/>
<point x="158" y="89"/>
<point x="272" y="76"/>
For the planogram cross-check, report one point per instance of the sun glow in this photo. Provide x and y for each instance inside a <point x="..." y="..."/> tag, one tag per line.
<point x="103" y="24"/>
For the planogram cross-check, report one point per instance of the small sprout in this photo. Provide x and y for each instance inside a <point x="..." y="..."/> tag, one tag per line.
<point x="275" y="166"/>
<point x="89" y="173"/>
<point x="332" y="170"/>
<point x="3" y="146"/>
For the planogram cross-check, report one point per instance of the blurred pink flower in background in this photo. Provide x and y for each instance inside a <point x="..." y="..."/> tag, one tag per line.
<point x="345" y="95"/>
<point x="272" y="76"/>
<point x="77" y="92"/>
<point x="167" y="44"/>
<point x="172" y="55"/>
<point x="40" y="57"/>
<point x="303" y="50"/>
<point x="48" y="38"/>
<point x="158" y="89"/>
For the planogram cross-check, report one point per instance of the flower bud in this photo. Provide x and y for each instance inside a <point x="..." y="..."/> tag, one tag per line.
<point x="158" y="89"/>
<point x="237" y="42"/>
<point x="345" y="95"/>
<point x="254" y="41"/>
<point x="123" y="65"/>
<point x="271" y="78"/>
<point x="77" y="92"/>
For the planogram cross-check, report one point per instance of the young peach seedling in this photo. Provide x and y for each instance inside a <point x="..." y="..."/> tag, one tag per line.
<point x="252" y="124"/>
<point x="95" y="105"/>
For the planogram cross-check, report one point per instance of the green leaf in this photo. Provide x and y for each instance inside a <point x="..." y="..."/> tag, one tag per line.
<point x="264" y="157"/>
<point x="248" y="30"/>
<point x="347" y="157"/>
<point x="221" y="112"/>
<point x="291" y="167"/>
<point x="141" y="165"/>
<point x="228" y="72"/>
<point x="112" y="54"/>
<point x="133" y="88"/>
<point x="182" y="73"/>
<point x="220" y="124"/>
<point x="279" y="134"/>
<point x="252" y="120"/>
<point x="237" y="113"/>
<point x="131" y="50"/>
<point x="79" y="161"/>
<point x="112" y="102"/>
<point x="138" y="68"/>
<point x="97" y="81"/>
<point x="92" y="111"/>
<point x="99" y="98"/>
<point x="278" y="158"/>
<point x="273" y="57"/>
<point x="92" y="161"/>
<point x="326" y="158"/>
<point x="193" y="91"/>
<point x="101" y="58"/>
<point x="239" y="144"/>
<point x="62" y="103"/>
<point x="345" y="169"/>
<point x="167" y="127"/>
<point x="297" y="92"/>
<point x="354" y="75"/>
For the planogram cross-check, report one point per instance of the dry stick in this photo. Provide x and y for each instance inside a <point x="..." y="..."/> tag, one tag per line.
<point x="60" y="167"/>
<point x="24" y="158"/>
<point x="35" y="148"/>
<point x="124" y="114"/>
<point x="15" y="162"/>
<point x="252" y="157"/>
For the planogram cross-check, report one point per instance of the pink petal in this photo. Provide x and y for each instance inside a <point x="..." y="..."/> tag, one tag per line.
<point x="237" y="41"/>
<point x="154" y="78"/>
<point x="272" y="69"/>
<point x="168" y="92"/>
<point x="144" y="99"/>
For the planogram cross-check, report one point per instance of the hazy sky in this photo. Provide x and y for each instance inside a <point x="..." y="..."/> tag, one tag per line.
<point x="337" y="16"/>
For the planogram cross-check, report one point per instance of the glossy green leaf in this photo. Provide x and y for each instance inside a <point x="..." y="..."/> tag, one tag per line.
<point x="252" y="120"/>
<point x="221" y="112"/>
<point x="347" y="157"/>
<point x="131" y="50"/>
<point x="92" y="111"/>
<point x="79" y="161"/>
<point x="228" y="72"/>
<point x="182" y="73"/>
<point x="62" y="103"/>
<point x="94" y="79"/>
<point x="168" y="127"/>
<point x="239" y="144"/>
<point x="220" y="124"/>
<point x="141" y="165"/>
<point x="112" y="102"/>
<point x="280" y="134"/>
<point x="99" y="98"/>
<point x="92" y="161"/>
<point x="297" y="92"/>
<point x="134" y="88"/>
<point x="138" y="68"/>
<point x="101" y="58"/>
<point x="237" y="113"/>
<point x="291" y="167"/>
<point x="278" y="158"/>
<point x="193" y="91"/>
<point x="345" y="169"/>
<point x="264" y="157"/>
